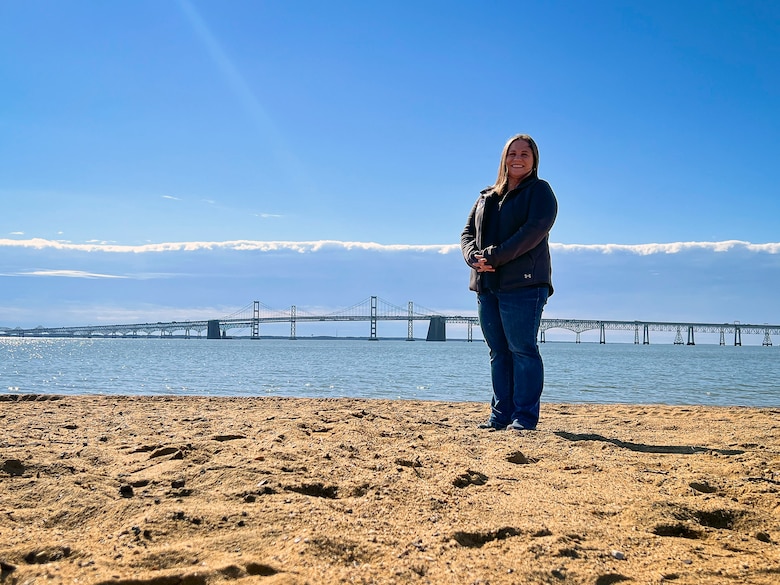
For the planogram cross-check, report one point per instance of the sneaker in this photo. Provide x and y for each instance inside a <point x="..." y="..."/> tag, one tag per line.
<point x="518" y="426"/>
<point x="491" y="425"/>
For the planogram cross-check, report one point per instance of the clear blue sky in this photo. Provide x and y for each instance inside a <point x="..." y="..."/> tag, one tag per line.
<point x="190" y="121"/>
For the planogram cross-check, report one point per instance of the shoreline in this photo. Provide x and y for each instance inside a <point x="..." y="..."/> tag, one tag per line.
<point x="276" y="490"/>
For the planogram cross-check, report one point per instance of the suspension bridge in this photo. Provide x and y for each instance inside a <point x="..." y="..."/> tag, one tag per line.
<point x="374" y="309"/>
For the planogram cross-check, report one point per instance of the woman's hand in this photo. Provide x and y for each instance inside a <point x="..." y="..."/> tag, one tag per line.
<point x="481" y="265"/>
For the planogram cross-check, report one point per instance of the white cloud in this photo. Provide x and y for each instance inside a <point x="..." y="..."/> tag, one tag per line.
<point x="68" y="274"/>
<point x="336" y="245"/>
<point x="669" y="248"/>
<point x="171" y="197"/>
<point x="238" y="245"/>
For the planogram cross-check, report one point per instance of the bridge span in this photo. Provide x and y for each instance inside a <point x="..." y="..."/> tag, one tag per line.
<point x="374" y="309"/>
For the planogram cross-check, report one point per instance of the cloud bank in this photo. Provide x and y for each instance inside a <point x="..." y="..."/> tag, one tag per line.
<point x="669" y="248"/>
<point x="54" y="282"/>
<point x="336" y="245"/>
<point x="236" y="245"/>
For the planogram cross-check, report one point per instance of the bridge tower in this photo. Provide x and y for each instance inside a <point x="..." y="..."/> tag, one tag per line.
<point x="737" y="334"/>
<point x="690" y="335"/>
<point x="372" y="337"/>
<point x="767" y="339"/>
<point x="410" y="326"/>
<point x="293" y="319"/>
<point x="678" y="340"/>
<point x="256" y="320"/>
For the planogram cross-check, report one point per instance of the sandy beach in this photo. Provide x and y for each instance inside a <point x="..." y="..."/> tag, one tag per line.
<point x="197" y="490"/>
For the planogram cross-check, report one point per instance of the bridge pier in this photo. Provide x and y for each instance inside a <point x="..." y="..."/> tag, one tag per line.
<point x="645" y="334"/>
<point x="437" y="329"/>
<point x="690" y="335"/>
<point x="213" y="331"/>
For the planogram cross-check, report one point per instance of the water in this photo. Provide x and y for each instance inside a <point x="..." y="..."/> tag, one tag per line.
<point x="451" y="371"/>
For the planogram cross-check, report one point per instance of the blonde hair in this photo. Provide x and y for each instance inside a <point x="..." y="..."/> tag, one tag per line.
<point x="503" y="175"/>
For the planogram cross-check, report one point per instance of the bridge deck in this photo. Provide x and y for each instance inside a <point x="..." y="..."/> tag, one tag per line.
<point x="375" y="309"/>
<point x="577" y="326"/>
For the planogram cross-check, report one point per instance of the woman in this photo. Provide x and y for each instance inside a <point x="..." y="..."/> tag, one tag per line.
<point x="505" y="242"/>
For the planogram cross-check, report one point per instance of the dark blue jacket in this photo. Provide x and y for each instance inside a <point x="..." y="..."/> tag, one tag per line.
<point x="513" y="237"/>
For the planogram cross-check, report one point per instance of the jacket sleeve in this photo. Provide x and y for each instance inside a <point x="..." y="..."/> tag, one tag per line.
<point x="468" y="237"/>
<point x="543" y="209"/>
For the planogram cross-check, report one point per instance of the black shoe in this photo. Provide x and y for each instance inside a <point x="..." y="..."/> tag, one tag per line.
<point x="518" y="426"/>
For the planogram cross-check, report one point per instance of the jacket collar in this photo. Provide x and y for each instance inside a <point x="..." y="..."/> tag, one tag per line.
<point x="532" y="178"/>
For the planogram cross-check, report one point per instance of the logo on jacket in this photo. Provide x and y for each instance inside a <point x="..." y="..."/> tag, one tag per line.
<point x="527" y="275"/>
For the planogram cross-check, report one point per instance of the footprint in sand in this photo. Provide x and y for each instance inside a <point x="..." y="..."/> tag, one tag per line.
<point x="518" y="458"/>
<point x="470" y="478"/>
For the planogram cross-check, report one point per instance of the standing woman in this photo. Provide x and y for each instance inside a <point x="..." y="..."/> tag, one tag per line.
<point x="505" y="242"/>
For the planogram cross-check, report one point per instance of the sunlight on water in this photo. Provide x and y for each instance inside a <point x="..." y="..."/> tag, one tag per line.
<point x="450" y="371"/>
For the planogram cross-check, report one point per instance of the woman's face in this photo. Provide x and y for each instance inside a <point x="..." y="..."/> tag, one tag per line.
<point x="519" y="160"/>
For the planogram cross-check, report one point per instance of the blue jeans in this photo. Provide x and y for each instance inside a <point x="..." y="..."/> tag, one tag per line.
<point x="510" y="324"/>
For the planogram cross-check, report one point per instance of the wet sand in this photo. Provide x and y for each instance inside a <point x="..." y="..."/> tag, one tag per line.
<point x="183" y="490"/>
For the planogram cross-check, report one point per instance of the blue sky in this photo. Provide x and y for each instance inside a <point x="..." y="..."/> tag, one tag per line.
<point x="180" y="158"/>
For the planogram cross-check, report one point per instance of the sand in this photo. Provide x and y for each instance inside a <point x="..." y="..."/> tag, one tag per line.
<point x="183" y="490"/>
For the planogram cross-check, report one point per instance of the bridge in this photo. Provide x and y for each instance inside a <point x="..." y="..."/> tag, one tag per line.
<point x="374" y="309"/>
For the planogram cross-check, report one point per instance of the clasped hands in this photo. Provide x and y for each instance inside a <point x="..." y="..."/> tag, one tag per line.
<point x="481" y="265"/>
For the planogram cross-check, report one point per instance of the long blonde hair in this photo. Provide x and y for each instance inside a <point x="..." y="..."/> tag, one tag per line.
<point x="503" y="175"/>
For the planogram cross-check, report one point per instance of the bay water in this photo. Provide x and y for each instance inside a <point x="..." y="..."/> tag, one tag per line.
<point x="397" y="369"/>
